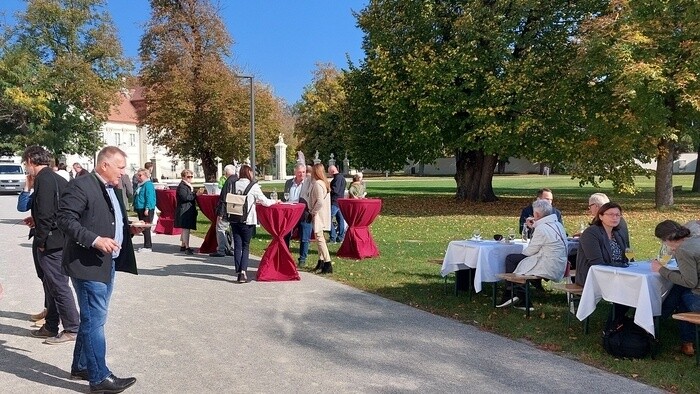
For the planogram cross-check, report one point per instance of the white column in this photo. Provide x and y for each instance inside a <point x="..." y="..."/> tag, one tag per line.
<point x="281" y="156"/>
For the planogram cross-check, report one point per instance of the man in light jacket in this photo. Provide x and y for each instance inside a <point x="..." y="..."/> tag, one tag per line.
<point x="545" y="255"/>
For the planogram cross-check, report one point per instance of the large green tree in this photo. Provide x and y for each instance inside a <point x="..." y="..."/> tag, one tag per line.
<point x="61" y="68"/>
<point x="465" y="77"/>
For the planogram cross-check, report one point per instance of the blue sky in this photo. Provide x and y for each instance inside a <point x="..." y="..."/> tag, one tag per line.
<point x="277" y="41"/>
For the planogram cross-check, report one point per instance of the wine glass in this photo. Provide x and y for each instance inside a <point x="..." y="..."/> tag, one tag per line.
<point x="286" y="196"/>
<point x="476" y="234"/>
<point x="629" y="253"/>
<point x="664" y="254"/>
<point x="511" y="234"/>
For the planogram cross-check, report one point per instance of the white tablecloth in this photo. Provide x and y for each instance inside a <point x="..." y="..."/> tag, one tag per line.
<point x="488" y="258"/>
<point x="635" y="286"/>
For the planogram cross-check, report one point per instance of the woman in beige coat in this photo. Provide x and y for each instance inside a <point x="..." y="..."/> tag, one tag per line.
<point x="320" y="209"/>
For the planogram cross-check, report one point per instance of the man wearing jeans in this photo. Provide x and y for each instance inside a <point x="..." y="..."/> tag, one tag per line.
<point x="93" y="218"/>
<point x="337" y="191"/>
<point x="224" y="246"/>
<point x="299" y="189"/>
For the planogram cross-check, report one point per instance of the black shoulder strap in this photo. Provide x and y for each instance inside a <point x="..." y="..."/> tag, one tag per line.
<point x="250" y="185"/>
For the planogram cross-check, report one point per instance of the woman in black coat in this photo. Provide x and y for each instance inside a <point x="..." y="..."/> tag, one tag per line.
<point x="186" y="211"/>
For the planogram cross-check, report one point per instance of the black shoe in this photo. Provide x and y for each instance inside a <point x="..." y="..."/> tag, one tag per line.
<point x="229" y="253"/>
<point x="79" y="375"/>
<point x="242" y="277"/>
<point x="217" y="254"/>
<point x="182" y="248"/>
<point x="327" y="268"/>
<point x="112" y="384"/>
<point x="189" y="251"/>
<point x="318" y="266"/>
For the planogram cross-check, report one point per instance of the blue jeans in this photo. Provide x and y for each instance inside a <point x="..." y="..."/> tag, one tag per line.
<point x="339" y="234"/>
<point x="679" y="300"/>
<point x="304" y="239"/>
<point x="242" y="233"/>
<point x="90" y="347"/>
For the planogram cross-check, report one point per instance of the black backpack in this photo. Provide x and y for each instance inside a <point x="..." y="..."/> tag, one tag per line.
<point x="625" y="339"/>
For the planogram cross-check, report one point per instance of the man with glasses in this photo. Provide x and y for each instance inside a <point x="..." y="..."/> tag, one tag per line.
<point x="93" y="217"/>
<point x="526" y="215"/>
<point x="595" y="201"/>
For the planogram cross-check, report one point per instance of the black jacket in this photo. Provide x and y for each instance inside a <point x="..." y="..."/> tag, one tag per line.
<point x="337" y="188"/>
<point x="84" y="213"/>
<point x="594" y="249"/>
<point x="227" y="188"/>
<point x="48" y="187"/>
<point x="186" y="210"/>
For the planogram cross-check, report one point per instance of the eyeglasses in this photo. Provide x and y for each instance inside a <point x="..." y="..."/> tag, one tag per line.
<point x="613" y="215"/>
<point x="591" y="205"/>
<point x="188" y="176"/>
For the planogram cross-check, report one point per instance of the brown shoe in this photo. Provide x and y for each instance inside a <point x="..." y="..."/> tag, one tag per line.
<point x="39" y="323"/>
<point x="43" y="333"/>
<point x="687" y="349"/>
<point x="63" y="337"/>
<point x="38" y="316"/>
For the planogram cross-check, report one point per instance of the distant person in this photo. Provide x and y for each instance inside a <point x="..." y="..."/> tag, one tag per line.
<point x="126" y="188"/>
<point x="544" y="256"/>
<point x="223" y="227"/>
<point x="242" y="231"/>
<point x="597" y="200"/>
<point x="186" y="209"/>
<point x="93" y="217"/>
<point x="356" y="188"/>
<point x="61" y="170"/>
<point x="684" y="296"/>
<point x="48" y="245"/>
<point x="319" y="207"/>
<point x="145" y="206"/>
<point x="337" y="191"/>
<point x="151" y="170"/>
<point x="526" y="213"/>
<point x="78" y="170"/>
<point x="299" y="189"/>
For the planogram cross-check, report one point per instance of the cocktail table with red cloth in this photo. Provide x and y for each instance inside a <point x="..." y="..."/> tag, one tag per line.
<point x="166" y="203"/>
<point x="277" y="264"/>
<point x="359" y="213"/>
<point x="207" y="204"/>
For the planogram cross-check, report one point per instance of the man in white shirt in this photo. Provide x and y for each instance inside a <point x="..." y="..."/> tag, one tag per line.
<point x="299" y="189"/>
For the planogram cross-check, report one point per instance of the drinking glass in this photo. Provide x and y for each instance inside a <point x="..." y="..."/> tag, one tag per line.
<point x="286" y="196"/>
<point x="629" y="253"/>
<point x="664" y="254"/>
<point x="476" y="234"/>
<point x="511" y="234"/>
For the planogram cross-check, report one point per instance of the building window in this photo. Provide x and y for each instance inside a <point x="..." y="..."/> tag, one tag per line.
<point x="117" y="139"/>
<point x="132" y="139"/>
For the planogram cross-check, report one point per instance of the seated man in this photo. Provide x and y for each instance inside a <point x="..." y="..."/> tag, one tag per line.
<point x="526" y="213"/>
<point x="545" y="256"/>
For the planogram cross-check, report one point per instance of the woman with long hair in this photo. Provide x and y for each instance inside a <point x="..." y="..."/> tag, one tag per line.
<point x="242" y="231"/>
<point x="320" y="209"/>
<point x="685" y="293"/>
<point x="186" y="212"/>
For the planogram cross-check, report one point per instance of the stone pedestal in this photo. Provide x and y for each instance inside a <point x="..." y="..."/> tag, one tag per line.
<point x="346" y="165"/>
<point x="281" y="158"/>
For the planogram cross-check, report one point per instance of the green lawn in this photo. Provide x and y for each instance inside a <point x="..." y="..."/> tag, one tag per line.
<point x="420" y="217"/>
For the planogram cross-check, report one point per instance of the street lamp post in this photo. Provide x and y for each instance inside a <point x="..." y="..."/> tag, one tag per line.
<point x="252" y="121"/>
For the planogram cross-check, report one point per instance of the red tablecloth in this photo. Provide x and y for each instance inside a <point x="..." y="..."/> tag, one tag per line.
<point x="166" y="203"/>
<point x="277" y="263"/>
<point x="207" y="204"/>
<point x="359" y="213"/>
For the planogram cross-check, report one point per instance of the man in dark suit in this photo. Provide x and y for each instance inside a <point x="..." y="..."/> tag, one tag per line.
<point x="48" y="248"/>
<point x="93" y="217"/>
<point x="526" y="214"/>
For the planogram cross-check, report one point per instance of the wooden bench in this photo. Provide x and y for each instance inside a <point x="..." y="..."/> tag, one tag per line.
<point x="521" y="280"/>
<point x="692" y="318"/>
<point x="573" y="296"/>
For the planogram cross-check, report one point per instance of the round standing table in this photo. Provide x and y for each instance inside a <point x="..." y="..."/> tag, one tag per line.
<point x="166" y="203"/>
<point x="359" y="213"/>
<point x="207" y="204"/>
<point x="277" y="264"/>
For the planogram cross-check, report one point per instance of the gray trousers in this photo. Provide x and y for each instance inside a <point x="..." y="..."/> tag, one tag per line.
<point x="223" y="244"/>
<point x="61" y="303"/>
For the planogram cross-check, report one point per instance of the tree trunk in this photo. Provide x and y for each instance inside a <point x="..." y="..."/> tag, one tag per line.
<point x="664" y="174"/>
<point x="209" y="166"/>
<point x="474" y="176"/>
<point x="696" y="179"/>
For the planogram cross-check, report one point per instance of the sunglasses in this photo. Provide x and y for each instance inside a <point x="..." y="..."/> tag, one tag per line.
<point x="188" y="176"/>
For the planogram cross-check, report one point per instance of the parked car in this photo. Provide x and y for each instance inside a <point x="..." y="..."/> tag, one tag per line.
<point x="12" y="178"/>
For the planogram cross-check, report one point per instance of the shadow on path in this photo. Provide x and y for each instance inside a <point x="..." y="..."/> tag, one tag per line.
<point x="12" y="361"/>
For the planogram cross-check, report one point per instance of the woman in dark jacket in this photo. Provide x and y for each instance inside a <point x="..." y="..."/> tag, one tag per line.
<point x="186" y="212"/>
<point x="603" y="243"/>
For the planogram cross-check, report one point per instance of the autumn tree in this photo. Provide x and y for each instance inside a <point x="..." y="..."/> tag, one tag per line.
<point x="465" y="77"/>
<point x="195" y="105"/>
<point x="320" y="122"/>
<point x="61" y="67"/>
<point x="639" y="62"/>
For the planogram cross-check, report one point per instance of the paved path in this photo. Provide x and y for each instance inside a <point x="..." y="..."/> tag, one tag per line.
<point x="184" y="326"/>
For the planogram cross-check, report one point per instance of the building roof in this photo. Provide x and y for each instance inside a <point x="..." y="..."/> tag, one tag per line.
<point x="125" y="112"/>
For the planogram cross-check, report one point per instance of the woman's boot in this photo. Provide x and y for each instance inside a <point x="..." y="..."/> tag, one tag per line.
<point x="327" y="268"/>
<point x="319" y="265"/>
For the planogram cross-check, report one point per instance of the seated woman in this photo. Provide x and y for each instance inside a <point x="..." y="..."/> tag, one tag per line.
<point x="356" y="189"/>
<point x="545" y="255"/>
<point x="685" y="293"/>
<point x="603" y="243"/>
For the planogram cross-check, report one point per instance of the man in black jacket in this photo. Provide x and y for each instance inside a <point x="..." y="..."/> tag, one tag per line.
<point x="48" y="248"/>
<point x="337" y="191"/>
<point x="93" y="217"/>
